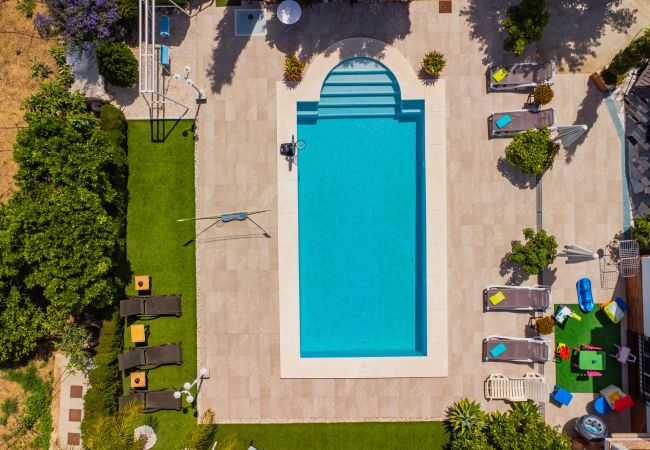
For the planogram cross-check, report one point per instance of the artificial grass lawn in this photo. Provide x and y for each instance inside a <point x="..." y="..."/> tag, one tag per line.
<point x="596" y="329"/>
<point x="161" y="190"/>
<point x="339" y="436"/>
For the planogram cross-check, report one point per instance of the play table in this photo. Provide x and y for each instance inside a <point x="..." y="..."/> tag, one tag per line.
<point x="591" y="360"/>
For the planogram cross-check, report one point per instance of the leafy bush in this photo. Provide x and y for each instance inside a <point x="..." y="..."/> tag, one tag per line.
<point x="543" y="94"/>
<point x="433" y="63"/>
<point x="521" y="428"/>
<point x="80" y="22"/>
<point x="641" y="232"/>
<point x="40" y="70"/>
<point x="117" y="64"/>
<point x="116" y="431"/>
<point x="26" y="7"/>
<point x="533" y="151"/>
<point x="105" y="382"/>
<point x="545" y="325"/>
<point x="62" y="237"/>
<point x="293" y="68"/>
<point x="626" y="59"/>
<point x="524" y="24"/>
<point x="536" y="254"/>
<point x="113" y="123"/>
<point x="464" y="417"/>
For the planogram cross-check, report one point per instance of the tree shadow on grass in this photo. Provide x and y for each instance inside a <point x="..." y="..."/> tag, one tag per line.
<point x="573" y="34"/>
<point x="517" y="274"/>
<point x="515" y="176"/>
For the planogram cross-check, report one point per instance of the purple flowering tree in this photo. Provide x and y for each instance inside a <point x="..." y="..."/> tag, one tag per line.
<point x="80" y="22"/>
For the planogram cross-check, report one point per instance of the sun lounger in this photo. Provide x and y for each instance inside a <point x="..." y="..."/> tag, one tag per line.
<point x="150" y="357"/>
<point x="518" y="350"/>
<point x="154" y="306"/>
<point x="531" y="386"/>
<point x="516" y="298"/>
<point x="152" y="400"/>
<point x="520" y="121"/>
<point x="521" y="76"/>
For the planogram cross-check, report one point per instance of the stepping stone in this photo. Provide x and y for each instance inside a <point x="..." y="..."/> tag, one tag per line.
<point x="444" y="6"/>
<point x="74" y="415"/>
<point x="76" y="391"/>
<point x="74" y="439"/>
<point x="637" y="187"/>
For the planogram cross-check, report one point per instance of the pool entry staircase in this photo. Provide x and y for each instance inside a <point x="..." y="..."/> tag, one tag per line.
<point x="360" y="87"/>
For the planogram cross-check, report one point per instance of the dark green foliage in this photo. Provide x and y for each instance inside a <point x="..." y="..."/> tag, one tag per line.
<point x="105" y="381"/>
<point x="433" y="63"/>
<point x="641" y="232"/>
<point x="521" y="428"/>
<point x="9" y="407"/>
<point x="62" y="234"/>
<point x="630" y="56"/>
<point x="536" y="254"/>
<point x="524" y="24"/>
<point x="113" y="123"/>
<point x="117" y="64"/>
<point x="128" y="10"/>
<point x="533" y="151"/>
<point x="26" y="7"/>
<point x="464" y="417"/>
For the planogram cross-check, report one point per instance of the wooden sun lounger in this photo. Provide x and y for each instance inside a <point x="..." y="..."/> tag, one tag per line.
<point x="518" y="298"/>
<point x="531" y="386"/>
<point x="522" y="120"/>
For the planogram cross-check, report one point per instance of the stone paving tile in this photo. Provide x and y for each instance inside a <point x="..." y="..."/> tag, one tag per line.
<point x="488" y="205"/>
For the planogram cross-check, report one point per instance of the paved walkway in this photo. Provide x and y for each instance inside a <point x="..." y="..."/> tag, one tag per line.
<point x="72" y="387"/>
<point x="488" y="204"/>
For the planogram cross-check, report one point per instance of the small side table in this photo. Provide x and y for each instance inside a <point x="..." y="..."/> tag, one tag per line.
<point x="138" y="380"/>
<point x="138" y="334"/>
<point x="142" y="283"/>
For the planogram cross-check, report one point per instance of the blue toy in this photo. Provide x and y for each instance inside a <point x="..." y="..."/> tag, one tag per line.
<point x="585" y="298"/>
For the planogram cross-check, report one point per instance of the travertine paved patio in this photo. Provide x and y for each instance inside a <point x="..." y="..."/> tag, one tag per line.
<point x="488" y="205"/>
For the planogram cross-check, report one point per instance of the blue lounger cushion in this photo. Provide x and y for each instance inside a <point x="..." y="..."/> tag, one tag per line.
<point x="498" y="349"/>
<point x="503" y="121"/>
<point x="164" y="55"/>
<point x="164" y="26"/>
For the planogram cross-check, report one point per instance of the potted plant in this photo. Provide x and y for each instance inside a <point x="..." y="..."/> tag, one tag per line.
<point x="545" y="325"/>
<point x="543" y="94"/>
<point x="433" y="63"/>
<point x="293" y="68"/>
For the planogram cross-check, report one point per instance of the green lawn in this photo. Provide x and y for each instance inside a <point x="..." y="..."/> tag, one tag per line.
<point x="161" y="190"/>
<point x="596" y="329"/>
<point x="339" y="436"/>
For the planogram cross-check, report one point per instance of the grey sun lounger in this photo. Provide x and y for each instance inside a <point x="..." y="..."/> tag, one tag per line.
<point x="518" y="298"/>
<point x="152" y="400"/>
<point x="519" y="350"/>
<point x="150" y="357"/>
<point x="151" y="306"/>
<point x="522" y="76"/>
<point x="522" y="120"/>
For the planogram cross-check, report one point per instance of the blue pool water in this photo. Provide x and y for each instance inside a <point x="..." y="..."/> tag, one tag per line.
<point x="361" y="203"/>
<point x="250" y="22"/>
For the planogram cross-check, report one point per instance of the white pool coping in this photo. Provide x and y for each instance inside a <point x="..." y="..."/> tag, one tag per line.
<point x="435" y="363"/>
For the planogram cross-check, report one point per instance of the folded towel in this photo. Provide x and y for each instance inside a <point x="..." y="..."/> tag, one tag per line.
<point x="503" y="121"/>
<point x="498" y="349"/>
<point x="500" y="74"/>
<point x="497" y="298"/>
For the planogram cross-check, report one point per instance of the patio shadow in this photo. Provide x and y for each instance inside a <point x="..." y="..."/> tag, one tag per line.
<point x="587" y="115"/>
<point x="517" y="274"/>
<point x="515" y="176"/>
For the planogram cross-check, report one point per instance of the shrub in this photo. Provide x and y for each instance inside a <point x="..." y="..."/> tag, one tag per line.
<point x="533" y="152"/>
<point x="40" y="70"/>
<point x="113" y="123"/>
<point x="202" y="433"/>
<point x="626" y="59"/>
<point x="105" y="382"/>
<point x="536" y="254"/>
<point x="545" y="325"/>
<point x="293" y="68"/>
<point x="543" y="94"/>
<point x="524" y="24"/>
<point x="464" y="417"/>
<point x="80" y="22"/>
<point x="433" y="63"/>
<point x="26" y="7"/>
<point x="9" y="408"/>
<point x="117" y="64"/>
<point x="641" y="232"/>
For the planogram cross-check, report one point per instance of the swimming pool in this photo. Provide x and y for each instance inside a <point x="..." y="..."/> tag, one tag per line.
<point x="361" y="217"/>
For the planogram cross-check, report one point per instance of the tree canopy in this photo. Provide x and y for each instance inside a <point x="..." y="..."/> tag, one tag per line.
<point x="533" y="152"/>
<point x="536" y="254"/>
<point x="524" y="24"/>
<point x="62" y="233"/>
